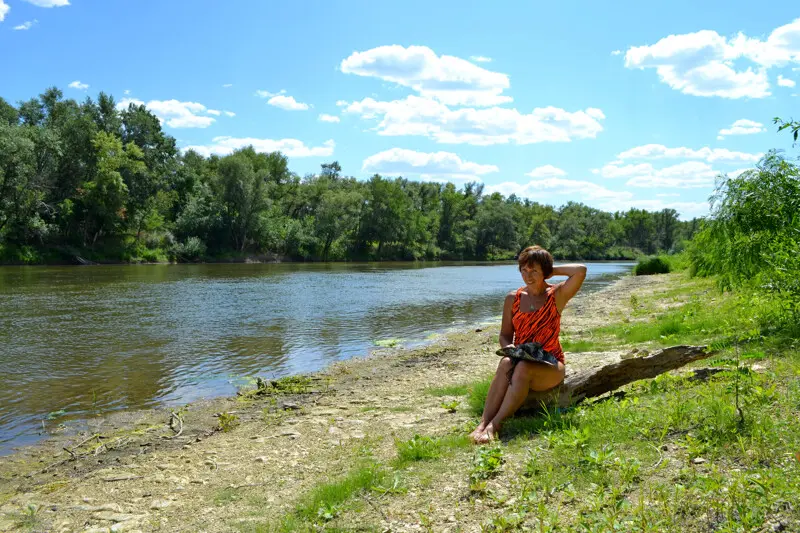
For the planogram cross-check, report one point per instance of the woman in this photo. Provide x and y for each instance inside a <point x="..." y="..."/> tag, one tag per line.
<point x="531" y="314"/>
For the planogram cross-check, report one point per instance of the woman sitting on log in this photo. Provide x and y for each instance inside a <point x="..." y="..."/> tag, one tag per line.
<point x="529" y="335"/>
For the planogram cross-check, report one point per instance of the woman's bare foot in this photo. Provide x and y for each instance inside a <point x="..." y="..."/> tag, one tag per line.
<point x="490" y="433"/>
<point x="476" y="433"/>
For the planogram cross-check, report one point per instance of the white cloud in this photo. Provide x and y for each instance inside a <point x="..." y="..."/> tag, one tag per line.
<point x="4" y="9"/>
<point x="230" y="113"/>
<point x="430" y="118"/>
<point x="668" y="194"/>
<point x="742" y="127"/>
<point x="174" y="113"/>
<point x="689" y="174"/>
<point x="429" y="166"/>
<point x="49" y="3"/>
<point x="548" y="190"/>
<point x="712" y="155"/>
<point x="481" y="59"/>
<point x="228" y="85"/>
<point x="547" y="171"/>
<point x="448" y="79"/>
<point x="78" y="85"/>
<point x="785" y="82"/>
<point x="556" y="191"/>
<point x="703" y="63"/>
<point x="289" y="147"/>
<point x="127" y="92"/>
<point x="282" y="101"/>
<point x="616" y="52"/>
<point x="26" y="25"/>
<point x="324" y="117"/>
<point x="214" y="112"/>
<point x="686" y="210"/>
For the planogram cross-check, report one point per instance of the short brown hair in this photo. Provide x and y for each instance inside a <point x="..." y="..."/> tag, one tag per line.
<point x="536" y="255"/>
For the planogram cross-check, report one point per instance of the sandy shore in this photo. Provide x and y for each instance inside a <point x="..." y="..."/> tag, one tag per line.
<point x="145" y="478"/>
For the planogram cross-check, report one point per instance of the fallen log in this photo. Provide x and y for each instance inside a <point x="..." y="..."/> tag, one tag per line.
<point x="584" y="383"/>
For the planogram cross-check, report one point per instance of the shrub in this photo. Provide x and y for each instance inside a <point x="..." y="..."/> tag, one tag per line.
<point x="651" y="265"/>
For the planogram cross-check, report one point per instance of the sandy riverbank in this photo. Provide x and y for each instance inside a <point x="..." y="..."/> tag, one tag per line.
<point x="144" y="478"/>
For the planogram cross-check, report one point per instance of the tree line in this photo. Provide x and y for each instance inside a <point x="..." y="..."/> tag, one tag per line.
<point x="86" y="179"/>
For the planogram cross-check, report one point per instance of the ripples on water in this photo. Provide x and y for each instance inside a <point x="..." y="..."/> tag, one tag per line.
<point x="85" y="340"/>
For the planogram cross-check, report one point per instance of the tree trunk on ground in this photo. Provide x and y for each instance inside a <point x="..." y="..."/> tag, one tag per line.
<point x="590" y="382"/>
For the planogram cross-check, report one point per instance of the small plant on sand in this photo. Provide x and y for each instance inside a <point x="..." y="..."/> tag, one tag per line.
<point x="486" y="463"/>
<point x="397" y="486"/>
<point x="450" y="406"/>
<point x="418" y="448"/>
<point x="327" y="511"/>
<point x="227" y="421"/>
<point x="28" y="518"/>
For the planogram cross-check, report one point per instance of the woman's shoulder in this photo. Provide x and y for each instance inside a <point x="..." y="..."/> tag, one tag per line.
<point x="553" y="287"/>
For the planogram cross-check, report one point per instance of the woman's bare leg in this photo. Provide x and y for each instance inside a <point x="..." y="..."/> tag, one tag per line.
<point x="494" y="398"/>
<point x="527" y="376"/>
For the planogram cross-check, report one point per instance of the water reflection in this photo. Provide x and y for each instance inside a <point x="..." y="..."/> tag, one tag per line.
<point x="88" y="340"/>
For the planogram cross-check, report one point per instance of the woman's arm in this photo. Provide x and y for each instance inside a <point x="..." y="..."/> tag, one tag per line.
<point x="575" y="273"/>
<point x="507" y="326"/>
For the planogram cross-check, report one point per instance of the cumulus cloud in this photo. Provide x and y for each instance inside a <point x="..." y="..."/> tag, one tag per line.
<point x="616" y="52"/>
<point x="435" y="166"/>
<point x="419" y="116"/>
<point x="689" y="174"/>
<point x="49" y="3"/>
<point x="78" y="85"/>
<point x="785" y="82"/>
<point x="289" y="147"/>
<point x="686" y="210"/>
<point x="174" y="113"/>
<point x="481" y="59"/>
<point x="557" y="191"/>
<point x="230" y="113"/>
<point x="552" y="190"/>
<point x="324" y="117"/>
<point x="703" y="63"/>
<point x="4" y="9"/>
<point x="214" y="112"/>
<point x="228" y="85"/>
<point x="712" y="155"/>
<point x="546" y="171"/>
<point x="742" y="127"/>
<point x="283" y="101"/>
<point x="447" y="79"/>
<point x="26" y="25"/>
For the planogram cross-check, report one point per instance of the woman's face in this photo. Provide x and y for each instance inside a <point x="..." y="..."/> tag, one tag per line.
<point x="532" y="274"/>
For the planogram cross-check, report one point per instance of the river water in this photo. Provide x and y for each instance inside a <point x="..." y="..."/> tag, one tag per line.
<point x="78" y="341"/>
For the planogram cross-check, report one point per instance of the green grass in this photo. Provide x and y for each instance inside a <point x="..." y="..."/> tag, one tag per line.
<point x="580" y="345"/>
<point x="422" y="448"/>
<point x="669" y="454"/>
<point x="328" y="495"/>
<point x="451" y="390"/>
<point x="698" y="314"/>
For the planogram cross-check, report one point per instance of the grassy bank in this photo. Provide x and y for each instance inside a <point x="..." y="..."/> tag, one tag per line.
<point x="380" y="444"/>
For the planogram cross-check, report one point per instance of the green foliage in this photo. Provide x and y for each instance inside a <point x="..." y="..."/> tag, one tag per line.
<point x="753" y="236"/>
<point x="651" y="265"/>
<point x="227" y="421"/>
<point x="88" y="179"/>
<point x="486" y="464"/>
<point x="418" y="448"/>
<point x="450" y="406"/>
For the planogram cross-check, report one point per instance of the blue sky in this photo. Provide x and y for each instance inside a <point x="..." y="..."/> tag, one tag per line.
<point x="615" y="105"/>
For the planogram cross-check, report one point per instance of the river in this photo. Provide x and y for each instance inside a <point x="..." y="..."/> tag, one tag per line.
<point x="81" y="341"/>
